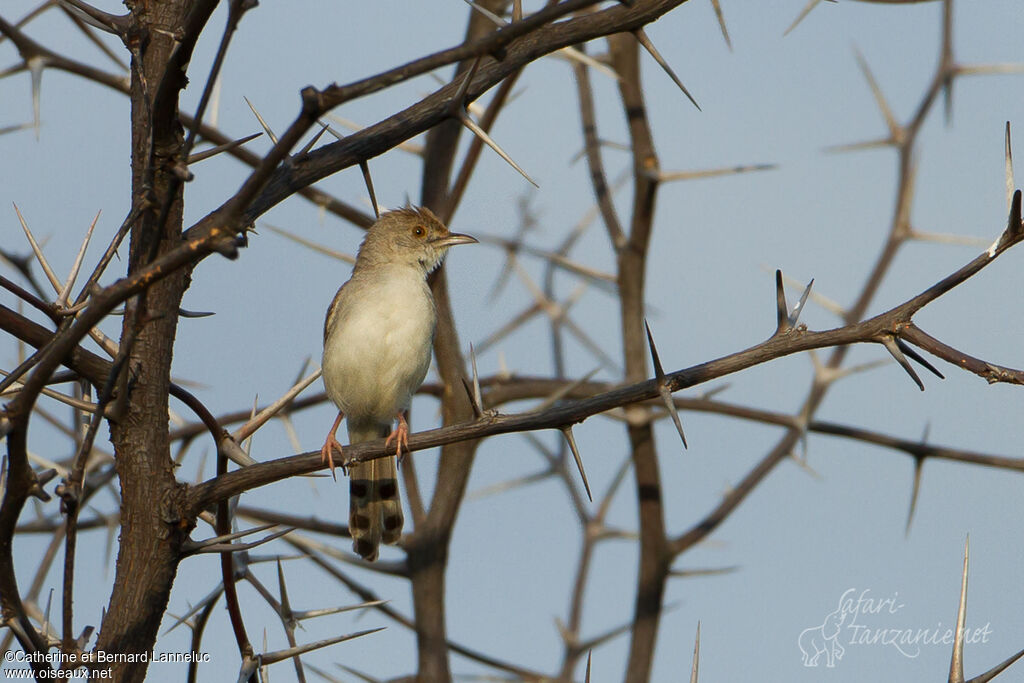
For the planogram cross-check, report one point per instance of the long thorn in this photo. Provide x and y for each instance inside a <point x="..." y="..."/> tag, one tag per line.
<point x="956" y="664"/>
<point x="62" y="299"/>
<point x="649" y="46"/>
<point x="1013" y="223"/>
<point x="663" y="391"/>
<point x="459" y="100"/>
<point x="309" y="145"/>
<point x="717" y="6"/>
<point x="696" y="656"/>
<point x="781" y="307"/>
<point x="35" y="67"/>
<point x="469" y="395"/>
<point x="1008" y="151"/>
<point x="257" y="421"/>
<point x="918" y="465"/>
<point x="876" y="91"/>
<point x="890" y="344"/>
<point x="226" y="147"/>
<point x="469" y="123"/>
<point x="280" y="655"/>
<point x="997" y="669"/>
<point x="478" y="400"/>
<point x="948" y="66"/>
<point x="659" y="371"/>
<point x="670" y="176"/>
<point x="220" y="542"/>
<point x="567" y="432"/>
<point x="282" y="588"/>
<point x="909" y="350"/>
<point x="794" y="315"/>
<point x="266" y="128"/>
<point x="364" y="166"/>
<point x="458" y="110"/>
<point x="498" y="21"/>
<point x="37" y="250"/>
<point x="811" y="4"/>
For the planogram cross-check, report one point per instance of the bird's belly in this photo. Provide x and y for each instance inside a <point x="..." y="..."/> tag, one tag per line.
<point x="379" y="356"/>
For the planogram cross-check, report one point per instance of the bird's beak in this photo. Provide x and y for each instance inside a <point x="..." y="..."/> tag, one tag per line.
<point x="453" y="238"/>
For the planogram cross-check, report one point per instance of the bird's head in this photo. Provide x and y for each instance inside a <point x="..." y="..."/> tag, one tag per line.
<point x="412" y="235"/>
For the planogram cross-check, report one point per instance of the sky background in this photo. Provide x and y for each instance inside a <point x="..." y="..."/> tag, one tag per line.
<point x="801" y="540"/>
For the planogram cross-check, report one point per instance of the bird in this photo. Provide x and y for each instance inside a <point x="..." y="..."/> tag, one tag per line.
<point x="378" y="339"/>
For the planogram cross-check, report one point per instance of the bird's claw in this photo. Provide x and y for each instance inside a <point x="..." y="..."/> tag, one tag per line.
<point x="400" y="436"/>
<point x="327" y="456"/>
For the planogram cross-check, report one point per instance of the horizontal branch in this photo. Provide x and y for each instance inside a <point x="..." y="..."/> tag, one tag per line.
<point x="885" y="326"/>
<point x="556" y="417"/>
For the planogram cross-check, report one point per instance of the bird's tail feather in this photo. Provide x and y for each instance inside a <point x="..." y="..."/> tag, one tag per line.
<point x="375" y="508"/>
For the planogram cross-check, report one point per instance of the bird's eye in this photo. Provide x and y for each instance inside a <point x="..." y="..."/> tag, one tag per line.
<point x="419" y="231"/>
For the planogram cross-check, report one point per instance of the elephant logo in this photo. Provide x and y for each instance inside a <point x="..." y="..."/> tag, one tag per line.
<point x="823" y="640"/>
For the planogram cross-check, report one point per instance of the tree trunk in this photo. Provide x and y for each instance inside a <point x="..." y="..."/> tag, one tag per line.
<point x="632" y="264"/>
<point x="152" y="523"/>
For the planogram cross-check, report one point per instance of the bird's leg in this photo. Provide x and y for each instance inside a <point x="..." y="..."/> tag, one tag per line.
<point x="400" y="436"/>
<point x="326" y="457"/>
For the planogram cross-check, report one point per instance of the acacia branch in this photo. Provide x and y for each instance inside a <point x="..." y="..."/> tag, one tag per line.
<point x="631" y="264"/>
<point x="988" y="371"/>
<point x="904" y="138"/>
<point x="890" y="323"/>
<point x="521" y="42"/>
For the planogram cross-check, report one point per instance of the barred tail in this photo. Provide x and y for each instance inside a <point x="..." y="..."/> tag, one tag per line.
<point x="375" y="507"/>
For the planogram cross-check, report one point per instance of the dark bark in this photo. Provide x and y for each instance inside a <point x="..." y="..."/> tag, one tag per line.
<point x="632" y="265"/>
<point x="153" y="519"/>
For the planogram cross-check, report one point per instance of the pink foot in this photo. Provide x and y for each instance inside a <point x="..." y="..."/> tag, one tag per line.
<point x="326" y="452"/>
<point x="400" y="436"/>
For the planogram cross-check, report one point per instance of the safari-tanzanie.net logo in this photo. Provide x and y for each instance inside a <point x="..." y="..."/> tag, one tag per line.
<point x="862" y="620"/>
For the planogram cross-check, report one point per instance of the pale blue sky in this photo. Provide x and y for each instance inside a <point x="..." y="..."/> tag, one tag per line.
<point x="800" y="541"/>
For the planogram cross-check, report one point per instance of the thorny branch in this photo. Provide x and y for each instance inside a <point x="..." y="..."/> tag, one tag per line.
<point x="498" y="57"/>
<point x="890" y="324"/>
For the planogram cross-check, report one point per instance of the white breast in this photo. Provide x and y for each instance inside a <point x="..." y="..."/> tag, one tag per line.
<point x="378" y="345"/>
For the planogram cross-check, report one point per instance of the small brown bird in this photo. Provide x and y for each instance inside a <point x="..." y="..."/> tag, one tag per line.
<point x="378" y="338"/>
